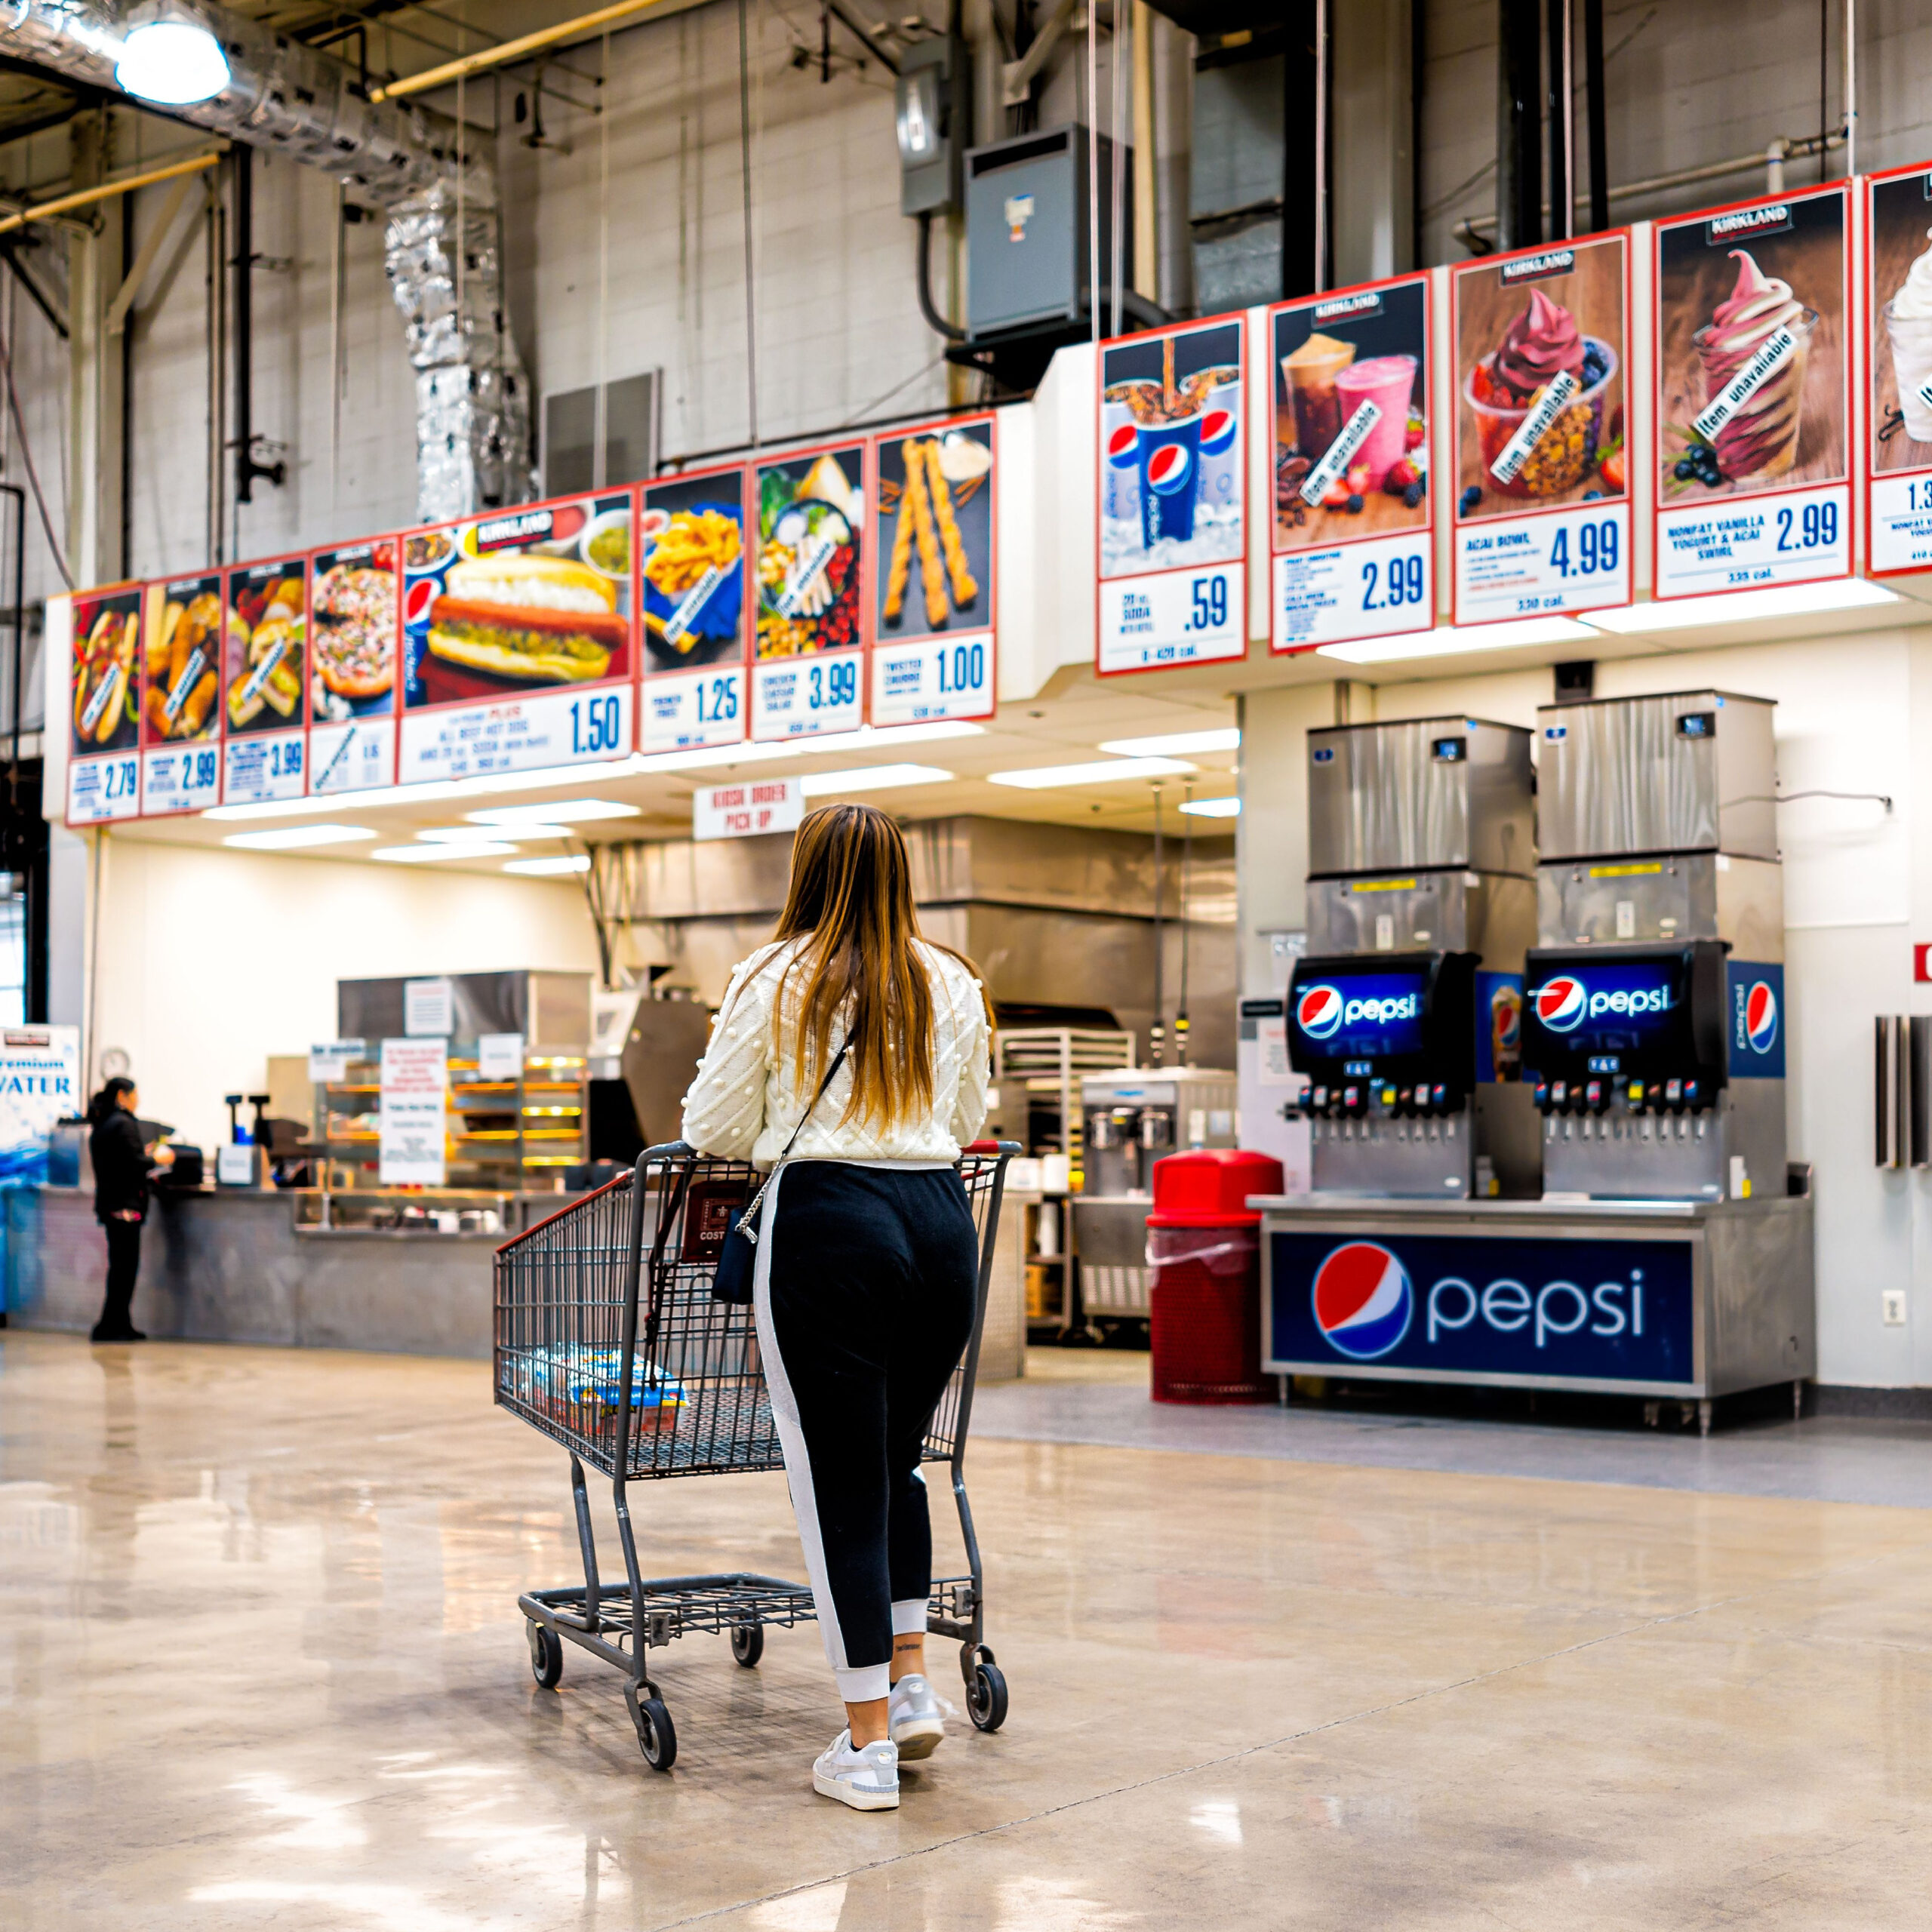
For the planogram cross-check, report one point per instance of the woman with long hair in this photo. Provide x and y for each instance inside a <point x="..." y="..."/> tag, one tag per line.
<point x="121" y="1161"/>
<point x="863" y="1049"/>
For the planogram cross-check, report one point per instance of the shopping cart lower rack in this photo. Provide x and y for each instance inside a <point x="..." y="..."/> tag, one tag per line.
<point x="607" y="1341"/>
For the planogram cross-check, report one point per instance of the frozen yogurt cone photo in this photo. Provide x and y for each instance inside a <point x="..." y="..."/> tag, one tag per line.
<point x="1759" y="438"/>
<point x="1908" y="328"/>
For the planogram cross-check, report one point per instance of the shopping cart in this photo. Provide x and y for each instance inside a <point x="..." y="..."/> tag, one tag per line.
<point x="607" y="1341"/>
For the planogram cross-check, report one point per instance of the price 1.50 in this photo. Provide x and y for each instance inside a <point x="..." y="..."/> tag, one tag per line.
<point x="596" y="723"/>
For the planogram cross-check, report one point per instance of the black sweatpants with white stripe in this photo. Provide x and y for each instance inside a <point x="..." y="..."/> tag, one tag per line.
<point x="867" y="1280"/>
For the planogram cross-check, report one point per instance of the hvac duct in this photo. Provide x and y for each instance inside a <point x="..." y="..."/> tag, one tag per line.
<point x="445" y="265"/>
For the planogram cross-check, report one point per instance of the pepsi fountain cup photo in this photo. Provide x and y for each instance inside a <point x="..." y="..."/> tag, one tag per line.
<point x="1171" y="492"/>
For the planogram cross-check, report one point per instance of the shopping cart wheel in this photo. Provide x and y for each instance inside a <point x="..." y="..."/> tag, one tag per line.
<point x="546" y="1656"/>
<point x="657" y="1735"/>
<point x="985" y="1696"/>
<point x="748" y="1643"/>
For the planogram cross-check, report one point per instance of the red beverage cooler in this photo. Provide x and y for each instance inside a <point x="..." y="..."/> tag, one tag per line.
<point x="1204" y="1246"/>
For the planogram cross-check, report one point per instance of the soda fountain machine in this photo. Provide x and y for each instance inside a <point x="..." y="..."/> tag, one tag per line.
<point x="1405" y="1014"/>
<point x="1667" y="1250"/>
<point x="1654" y="1020"/>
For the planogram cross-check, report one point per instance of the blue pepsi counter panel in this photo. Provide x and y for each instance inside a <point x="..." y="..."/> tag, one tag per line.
<point x="1689" y="1299"/>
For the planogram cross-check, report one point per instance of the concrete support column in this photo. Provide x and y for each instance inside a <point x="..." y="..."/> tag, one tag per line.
<point x="1172" y="81"/>
<point x="1372" y="180"/>
<point x="97" y="390"/>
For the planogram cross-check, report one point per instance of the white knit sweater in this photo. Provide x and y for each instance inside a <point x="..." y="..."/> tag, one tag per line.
<point x="745" y="1100"/>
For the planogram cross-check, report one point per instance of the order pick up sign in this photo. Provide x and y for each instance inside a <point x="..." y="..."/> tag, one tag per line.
<point x="744" y="810"/>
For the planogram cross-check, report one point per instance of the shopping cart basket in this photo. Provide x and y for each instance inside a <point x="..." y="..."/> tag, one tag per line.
<point x="607" y="1341"/>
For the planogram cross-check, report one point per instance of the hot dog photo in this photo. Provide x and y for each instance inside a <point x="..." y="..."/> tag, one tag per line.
<point x="528" y="600"/>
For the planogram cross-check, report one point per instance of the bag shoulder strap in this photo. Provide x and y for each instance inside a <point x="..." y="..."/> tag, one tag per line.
<point x="748" y="1220"/>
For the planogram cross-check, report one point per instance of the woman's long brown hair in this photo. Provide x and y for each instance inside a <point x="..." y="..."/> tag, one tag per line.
<point x="851" y="902"/>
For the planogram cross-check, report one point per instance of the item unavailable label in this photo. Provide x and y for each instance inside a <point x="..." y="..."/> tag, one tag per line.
<point x="191" y="672"/>
<point x="272" y="766"/>
<point x="805" y="573"/>
<point x="1553" y="401"/>
<point x="353" y="757"/>
<point x="1575" y="559"/>
<point x="1737" y="543"/>
<point x="807" y="697"/>
<point x="180" y="778"/>
<point x="1178" y="618"/>
<point x="516" y="734"/>
<point x="104" y="693"/>
<point x="1328" y="472"/>
<point x="693" y="710"/>
<point x="101" y="789"/>
<point x="932" y="677"/>
<point x="694" y="600"/>
<point x="1736" y="393"/>
<point x="1901" y="538"/>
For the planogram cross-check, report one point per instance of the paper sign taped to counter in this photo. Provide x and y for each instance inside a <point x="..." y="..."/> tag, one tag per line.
<point x="414" y="1098"/>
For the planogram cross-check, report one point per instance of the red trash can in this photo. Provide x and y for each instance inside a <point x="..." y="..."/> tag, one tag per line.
<point x="1204" y="1245"/>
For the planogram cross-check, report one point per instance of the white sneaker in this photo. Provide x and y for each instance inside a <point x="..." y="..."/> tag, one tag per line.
<point x="914" y="1719"/>
<point x="866" y="1780"/>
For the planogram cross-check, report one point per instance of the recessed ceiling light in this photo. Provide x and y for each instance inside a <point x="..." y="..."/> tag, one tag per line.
<point x="1735" y="607"/>
<point x="1446" y="640"/>
<point x="576" y="862"/>
<point x="470" y="834"/>
<point x="1213" y="807"/>
<point x="870" y="778"/>
<point x="1175" y="744"/>
<point x="554" y="812"/>
<point x="417" y="855"/>
<point x="293" y="838"/>
<point x="1103" y="771"/>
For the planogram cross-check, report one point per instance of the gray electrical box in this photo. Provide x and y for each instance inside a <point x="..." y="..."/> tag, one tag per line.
<point x="933" y="119"/>
<point x="1027" y="234"/>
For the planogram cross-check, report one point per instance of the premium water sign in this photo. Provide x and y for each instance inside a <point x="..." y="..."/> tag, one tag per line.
<point x="1653" y="1021"/>
<point x="1406" y="1015"/>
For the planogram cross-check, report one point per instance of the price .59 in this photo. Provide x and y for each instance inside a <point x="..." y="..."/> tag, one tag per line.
<point x="1209" y="604"/>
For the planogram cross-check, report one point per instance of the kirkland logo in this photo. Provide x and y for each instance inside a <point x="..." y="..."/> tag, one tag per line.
<point x="1533" y="268"/>
<point x="1722" y="228"/>
<point x="514" y="529"/>
<point x="1348" y="305"/>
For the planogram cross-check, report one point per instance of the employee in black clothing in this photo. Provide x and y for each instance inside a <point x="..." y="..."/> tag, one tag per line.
<point x="121" y="1163"/>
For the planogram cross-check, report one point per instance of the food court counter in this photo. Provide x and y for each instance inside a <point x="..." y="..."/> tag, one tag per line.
<point x="290" y="1268"/>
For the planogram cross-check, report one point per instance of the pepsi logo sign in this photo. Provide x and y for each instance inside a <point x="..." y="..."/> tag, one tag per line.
<point x="1760" y="1018"/>
<point x="1318" y="1011"/>
<point x="1124" y="447"/>
<point x="1169" y="468"/>
<point x="1563" y="1003"/>
<point x="423" y="593"/>
<point x="1363" y="1302"/>
<point x="1218" y="432"/>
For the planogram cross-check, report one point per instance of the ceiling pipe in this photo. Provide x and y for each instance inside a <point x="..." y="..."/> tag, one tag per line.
<point x="473" y="435"/>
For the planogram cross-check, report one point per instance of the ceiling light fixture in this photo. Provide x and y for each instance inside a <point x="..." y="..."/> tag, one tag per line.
<point x="1104" y="771"/>
<point x="1213" y="807"/>
<point x="1737" y="606"/>
<point x="417" y="855"/>
<point x="870" y="778"/>
<point x="172" y="62"/>
<point x="556" y="812"/>
<point x="293" y="838"/>
<point x="1175" y="744"/>
<point x="473" y="835"/>
<point x="549" y="868"/>
<point x="1449" y="640"/>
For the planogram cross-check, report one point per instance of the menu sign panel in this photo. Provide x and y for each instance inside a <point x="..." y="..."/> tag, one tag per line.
<point x="1354" y="553"/>
<point x="1543" y="508"/>
<point x="516" y="640"/>
<point x="181" y="689"/>
<point x="352" y="666"/>
<point x="933" y="593"/>
<point x="1753" y="395"/>
<point x="806" y="676"/>
<point x="104" y="637"/>
<point x="411" y="1118"/>
<point x="1173" y="488"/>
<point x="264" y="669"/>
<point x="1898" y="307"/>
<point x="691" y="550"/>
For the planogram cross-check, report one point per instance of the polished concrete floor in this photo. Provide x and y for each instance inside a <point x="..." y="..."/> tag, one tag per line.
<point x="260" y="1665"/>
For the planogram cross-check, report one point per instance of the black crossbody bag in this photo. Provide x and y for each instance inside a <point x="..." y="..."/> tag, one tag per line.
<point x="737" y="1259"/>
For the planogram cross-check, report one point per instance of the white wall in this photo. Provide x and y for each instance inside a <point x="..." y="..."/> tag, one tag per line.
<point x="210" y="961"/>
<point x="1854" y="715"/>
